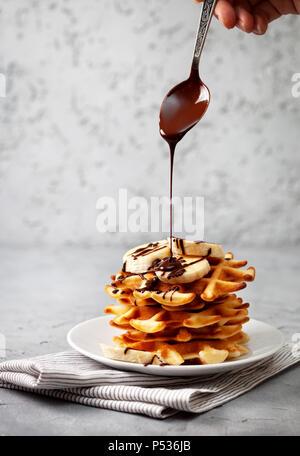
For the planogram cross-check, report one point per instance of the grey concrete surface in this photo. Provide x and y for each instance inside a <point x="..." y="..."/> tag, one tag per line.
<point x="85" y="79"/>
<point x="44" y="292"/>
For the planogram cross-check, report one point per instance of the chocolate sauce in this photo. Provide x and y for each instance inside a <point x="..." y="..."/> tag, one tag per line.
<point x="181" y="110"/>
<point x="208" y="253"/>
<point x="143" y="251"/>
<point x="120" y="278"/>
<point x="179" y="244"/>
<point x="150" y="362"/>
<point x="149" y="285"/>
<point x="173" y="266"/>
<point x="168" y="264"/>
<point x="174" y="289"/>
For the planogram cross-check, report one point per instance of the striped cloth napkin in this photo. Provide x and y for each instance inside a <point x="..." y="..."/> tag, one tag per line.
<point x="73" y="377"/>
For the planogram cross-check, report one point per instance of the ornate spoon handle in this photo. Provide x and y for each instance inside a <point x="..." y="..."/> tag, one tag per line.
<point x="206" y="15"/>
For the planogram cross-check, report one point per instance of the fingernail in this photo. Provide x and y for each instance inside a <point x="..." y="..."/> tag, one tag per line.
<point x="258" y="30"/>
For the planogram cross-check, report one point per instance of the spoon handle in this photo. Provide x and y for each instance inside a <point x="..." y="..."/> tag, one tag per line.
<point x="206" y="15"/>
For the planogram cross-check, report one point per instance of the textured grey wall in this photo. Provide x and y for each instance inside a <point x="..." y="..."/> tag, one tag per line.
<point x="85" y="79"/>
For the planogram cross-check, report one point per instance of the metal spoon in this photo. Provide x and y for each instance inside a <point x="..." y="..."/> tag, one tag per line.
<point x="186" y="103"/>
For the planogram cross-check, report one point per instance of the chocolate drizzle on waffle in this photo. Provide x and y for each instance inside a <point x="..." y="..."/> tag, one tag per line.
<point x="149" y="285"/>
<point x="151" y="361"/>
<point x="173" y="267"/>
<point x="150" y="248"/>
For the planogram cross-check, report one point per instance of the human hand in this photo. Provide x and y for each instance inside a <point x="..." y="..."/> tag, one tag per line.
<point x="253" y="15"/>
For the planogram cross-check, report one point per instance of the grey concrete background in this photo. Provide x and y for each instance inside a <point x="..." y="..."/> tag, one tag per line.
<point x="85" y="79"/>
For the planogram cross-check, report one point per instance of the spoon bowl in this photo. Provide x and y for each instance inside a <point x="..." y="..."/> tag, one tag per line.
<point x="183" y="107"/>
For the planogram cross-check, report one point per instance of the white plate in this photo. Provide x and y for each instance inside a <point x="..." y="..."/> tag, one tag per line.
<point x="87" y="337"/>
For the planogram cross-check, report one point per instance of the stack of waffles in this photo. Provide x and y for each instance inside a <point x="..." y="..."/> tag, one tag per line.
<point x="176" y="303"/>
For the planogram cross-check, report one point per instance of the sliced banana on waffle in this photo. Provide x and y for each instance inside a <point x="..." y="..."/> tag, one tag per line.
<point x="196" y="248"/>
<point x="211" y="355"/>
<point x="141" y="258"/>
<point x="188" y="269"/>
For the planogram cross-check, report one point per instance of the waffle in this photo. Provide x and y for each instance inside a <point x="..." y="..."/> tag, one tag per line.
<point x="175" y="323"/>
<point x="195" y="352"/>
<point x="155" y="319"/>
<point x="225" y="277"/>
<point x="179" y="334"/>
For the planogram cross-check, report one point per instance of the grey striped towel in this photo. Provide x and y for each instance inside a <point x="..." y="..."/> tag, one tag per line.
<point x="73" y="377"/>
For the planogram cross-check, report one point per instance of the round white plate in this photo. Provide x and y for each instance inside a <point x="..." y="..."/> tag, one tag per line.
<point x="87" y="337"/>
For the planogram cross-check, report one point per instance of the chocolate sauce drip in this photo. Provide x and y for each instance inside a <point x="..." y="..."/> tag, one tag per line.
<point x="130" y="274"/>
<point x="172" y="146"/>
<point x="143" y="251"/>
<point x="149" y="285"/>
<point x="179" y="244"/>
<point x="174" y="289"/>
<point x="175" y="267"/>
<point x="155" y="263"/>
<point x="172" y="292"/>
<point x="181" y="110"/>
<point x="168" y="264"/>
<point x="150" y="362"/>
<point x="172" y="265"/>
<point x="164" y="295"/>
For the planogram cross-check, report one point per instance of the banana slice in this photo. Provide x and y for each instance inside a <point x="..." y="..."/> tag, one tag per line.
<point x="129" y="355"/>
<point x="211" y="355"/>
<point x="173" y="296"/>
<point x="141" y="258"/>
<point x="196" y="248"/>
<point x="187" y="269"/>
